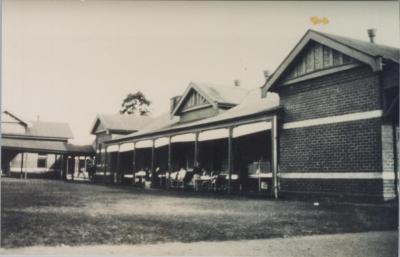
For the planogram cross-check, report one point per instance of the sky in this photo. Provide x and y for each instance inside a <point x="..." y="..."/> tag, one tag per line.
<point x="67" y="61"/>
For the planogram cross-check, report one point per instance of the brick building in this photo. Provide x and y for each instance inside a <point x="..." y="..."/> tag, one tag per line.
<point x="333" y="130"/>
<point x="340" y="117"/>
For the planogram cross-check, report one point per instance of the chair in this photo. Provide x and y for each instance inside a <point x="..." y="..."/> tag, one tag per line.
<point x="162" y="177"/>
<point x="234" y="181"/>
<point x="140" y="176"/>
<point x="196" y="182"/>
<point x="172" y="179"/>
<point x="217" y="182"/>
<point x="188" y="178"/>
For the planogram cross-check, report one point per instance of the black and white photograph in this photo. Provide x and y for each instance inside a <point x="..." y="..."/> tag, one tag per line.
<point x="199" y="128"/>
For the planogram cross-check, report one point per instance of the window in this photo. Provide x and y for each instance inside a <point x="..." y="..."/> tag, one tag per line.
<point x="42" y="161"/>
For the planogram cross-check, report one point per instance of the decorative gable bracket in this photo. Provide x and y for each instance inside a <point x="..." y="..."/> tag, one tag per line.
<point x="192" y="99"/>
<point x="313" y="37"/>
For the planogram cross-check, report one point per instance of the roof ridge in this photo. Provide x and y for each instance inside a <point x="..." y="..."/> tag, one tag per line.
<point x="16" y="117"/>
<point x="332" y="36"/>
<point x="122" y="115"/>
<point x="51" y="122"/>
<point x="217" y="85"/>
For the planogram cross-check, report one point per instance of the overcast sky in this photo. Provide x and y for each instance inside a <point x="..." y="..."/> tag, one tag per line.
<point x="66" y="61"/>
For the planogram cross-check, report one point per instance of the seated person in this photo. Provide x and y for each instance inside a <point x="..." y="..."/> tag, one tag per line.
<point x="214" y="174"/>
<point x="181" y="174"/>
<point x="204" y="173"/>
<point x="154" y="175"/>
<point x="215" y="180"/>
<point x="148" y="173"/>
<point x="174" y="175"/>
<point x="140" y="173"/>
<point x="159" y="173"/>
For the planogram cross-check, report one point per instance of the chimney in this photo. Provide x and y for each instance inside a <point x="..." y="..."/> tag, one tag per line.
<point x="237" y="83"/>
<point x="371" y="35"/>
<point x="174" y="101"/>
<point x="266" y="74"/>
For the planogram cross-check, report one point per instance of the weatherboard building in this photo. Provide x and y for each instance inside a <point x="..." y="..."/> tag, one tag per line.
<point x="324" y="123"/>
<point x="38" y="147"/>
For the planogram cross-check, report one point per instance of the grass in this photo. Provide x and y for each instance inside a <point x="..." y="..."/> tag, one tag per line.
<point x="51" y="212"/>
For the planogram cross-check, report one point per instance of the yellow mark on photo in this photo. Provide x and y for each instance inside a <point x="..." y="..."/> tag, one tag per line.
<point x="315" y="20"/>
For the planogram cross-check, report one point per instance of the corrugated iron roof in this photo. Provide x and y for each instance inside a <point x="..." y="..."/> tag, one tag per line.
<point x="251" y="104"/>
<point x="223" y="94"/>
<point x="49" y="129"/>
<point x="82" y="149"/>
<point x="40" y="128"/>
<point x="120" y="122"/>
<point x="216" y="95"/>
<point x="13" y="117"/>
<point x="163" y="121"/>
<point x="366" y="52"/>
<point x="45" y="146"/>
<point x="373" y="49"/>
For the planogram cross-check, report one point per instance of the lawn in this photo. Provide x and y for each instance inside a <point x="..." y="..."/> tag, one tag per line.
<point x="51" y="212"/>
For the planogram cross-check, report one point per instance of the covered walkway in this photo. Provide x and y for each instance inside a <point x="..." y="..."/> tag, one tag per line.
<point x="231" y="152"/>
<point x="69" y="159"/>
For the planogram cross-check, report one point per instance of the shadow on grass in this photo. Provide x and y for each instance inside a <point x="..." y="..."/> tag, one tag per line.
<point x="28" y="229"/>
<point x="24" y="223"/>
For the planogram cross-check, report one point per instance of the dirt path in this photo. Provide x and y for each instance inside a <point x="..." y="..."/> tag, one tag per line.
<point x="380" y="244"/>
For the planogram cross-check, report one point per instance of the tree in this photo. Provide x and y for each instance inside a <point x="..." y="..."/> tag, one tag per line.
<point x="135" y="103"/>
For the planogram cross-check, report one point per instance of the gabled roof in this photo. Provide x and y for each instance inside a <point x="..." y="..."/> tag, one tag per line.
<point x="39" y="129"/>
<point x="373" y="49"/>
<point x="160" y="122"/>
<point x="252" y="104"/>
<point x="120" y="122"/>
<point x="49" y="129"/>
<point x="17" y="119"/>
<point x="223" y="94"/>
<point x="214" y="94"/>
<point x="365" y="52"/>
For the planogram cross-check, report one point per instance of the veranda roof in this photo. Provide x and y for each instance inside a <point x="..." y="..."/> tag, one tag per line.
<point x="251" y="105"/>
<point x="45" y="146"/>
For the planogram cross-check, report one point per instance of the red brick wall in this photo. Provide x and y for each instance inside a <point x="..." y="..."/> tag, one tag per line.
<point x="355" y="90"/>
<point x="348" y="146"/>
<point x="354" y="146"/>
<point x="334" y="186"/>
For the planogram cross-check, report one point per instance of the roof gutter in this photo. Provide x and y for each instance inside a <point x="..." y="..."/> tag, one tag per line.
<point x="5" y="135"/>
<point x="192" y="128"/>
